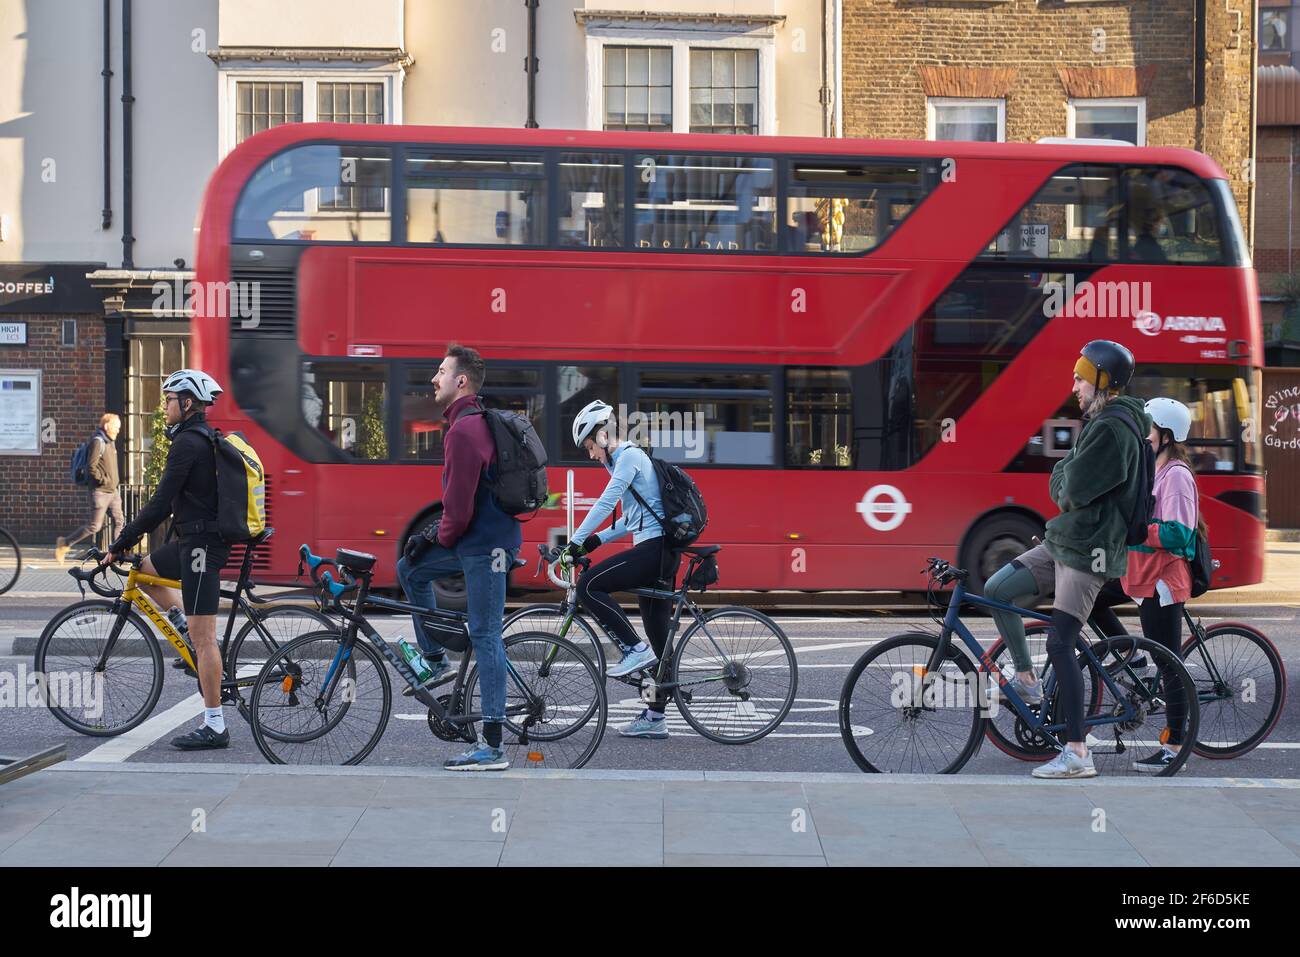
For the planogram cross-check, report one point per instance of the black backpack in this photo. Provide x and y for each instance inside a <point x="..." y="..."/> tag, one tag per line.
<point x="685" y="514"/>
<point x="1144" y="509"/>
<point x="520" y="484"/>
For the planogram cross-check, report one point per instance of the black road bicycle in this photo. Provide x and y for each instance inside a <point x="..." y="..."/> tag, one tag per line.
<point x="326" y="698"/>
<point x="1240" y="682"/>
<point x="733" y="675"/>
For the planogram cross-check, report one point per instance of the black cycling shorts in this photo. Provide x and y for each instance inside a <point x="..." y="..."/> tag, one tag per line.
<point x="197" y="563"/>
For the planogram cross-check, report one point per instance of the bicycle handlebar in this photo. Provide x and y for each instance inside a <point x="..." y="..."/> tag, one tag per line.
<point x="336" y="589"/>
<point x="551" y="557"/>
<point x="90" y="577"/>
<point x="943" y="571"/>
<point x="313" y="563"/>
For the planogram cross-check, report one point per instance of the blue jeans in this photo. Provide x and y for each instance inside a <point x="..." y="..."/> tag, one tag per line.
<point x="485" y="591"/>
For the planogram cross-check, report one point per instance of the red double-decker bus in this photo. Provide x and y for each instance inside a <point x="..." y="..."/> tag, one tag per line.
<point x="862" y="350"/>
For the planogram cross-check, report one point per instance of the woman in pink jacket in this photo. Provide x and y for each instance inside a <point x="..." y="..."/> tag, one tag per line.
<point x="1159" y="576"/>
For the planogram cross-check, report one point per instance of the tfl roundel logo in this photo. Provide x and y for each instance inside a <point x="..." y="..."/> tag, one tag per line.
<point x="1147" y="323"/>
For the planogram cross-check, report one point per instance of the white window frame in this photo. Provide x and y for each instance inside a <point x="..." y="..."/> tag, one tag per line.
<point x="1139" y="101"/>
<point x="933" y="102"/>
<point x="681" y="46"/>
<point x="391" y="79"/>
<point x="227" y="101"/>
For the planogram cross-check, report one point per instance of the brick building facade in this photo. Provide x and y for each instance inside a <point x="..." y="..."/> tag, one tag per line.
<point x="1038" y="57"/>
<point x="37" y="501"/>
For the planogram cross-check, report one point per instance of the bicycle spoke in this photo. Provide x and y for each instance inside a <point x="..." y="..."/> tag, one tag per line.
<point x="887" y="728"/>
<point x="91" y="701"/>
<point x="554" y="696"/>
<point x="294" y="725"/>
<point x="737" y="676"/>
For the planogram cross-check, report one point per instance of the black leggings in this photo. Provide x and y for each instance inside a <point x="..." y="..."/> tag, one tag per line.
<point x="641" y="566"/>
<point x="1164" y="624"/>
<point x="1061" y="639"/>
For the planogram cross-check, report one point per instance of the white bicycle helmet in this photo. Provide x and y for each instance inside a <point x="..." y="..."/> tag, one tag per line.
<point x="1172" y="415"/>
<point x="193" y="382"/>
<point x="593" y="416"/>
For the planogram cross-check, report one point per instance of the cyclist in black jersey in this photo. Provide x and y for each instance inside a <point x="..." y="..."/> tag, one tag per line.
<point x="188" y="492"/>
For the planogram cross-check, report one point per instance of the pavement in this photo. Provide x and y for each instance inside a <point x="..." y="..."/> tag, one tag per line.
<point x="157" y="815"/>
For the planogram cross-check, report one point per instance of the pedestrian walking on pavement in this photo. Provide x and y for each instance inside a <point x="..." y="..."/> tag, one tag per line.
<point x="105" y="496"/>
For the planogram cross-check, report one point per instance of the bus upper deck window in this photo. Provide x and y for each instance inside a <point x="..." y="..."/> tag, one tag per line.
<point x="705" y="203"/>
<point x="843" y="207"/>
<point x="487" y="199"/>
<point x="318" y="193"/>
<point x="1171" y="218"/>
<point x="591" y="200"/>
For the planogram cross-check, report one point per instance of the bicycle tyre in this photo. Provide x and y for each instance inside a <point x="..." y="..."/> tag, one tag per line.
<point x="1277" y="669"/>
<point x="272" y="674"/>
<point x="598" y="709"/>
<point x="134" y="621"/>
<point x="547" y="618"/>
<point x="1132" y="647"/>
<point x="923" y="646"/>
<point x="8" y="546"/>
<point x="684" y="698"/>
<point x="320" y="622"/>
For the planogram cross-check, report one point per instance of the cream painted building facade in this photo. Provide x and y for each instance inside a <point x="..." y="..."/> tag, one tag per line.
<point x="114" y="113"/>
<point x="207" y="73"/>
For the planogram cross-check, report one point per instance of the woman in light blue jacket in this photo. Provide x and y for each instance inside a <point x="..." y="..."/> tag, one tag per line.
<point x="633" y="483"/>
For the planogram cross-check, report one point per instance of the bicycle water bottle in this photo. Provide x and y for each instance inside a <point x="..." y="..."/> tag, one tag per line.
<point x="179" y="622"/>
<point x="416" y="660"/>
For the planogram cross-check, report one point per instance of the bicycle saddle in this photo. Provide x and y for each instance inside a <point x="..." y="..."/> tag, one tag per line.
<point x="359" y="562"/>
<point x="701" y="550"/>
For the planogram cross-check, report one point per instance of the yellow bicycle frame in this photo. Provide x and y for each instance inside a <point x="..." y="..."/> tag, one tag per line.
<point x="140" y="600"/>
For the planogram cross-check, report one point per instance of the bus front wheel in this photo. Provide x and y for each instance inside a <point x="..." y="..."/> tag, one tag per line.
<point x="994" y="542"/>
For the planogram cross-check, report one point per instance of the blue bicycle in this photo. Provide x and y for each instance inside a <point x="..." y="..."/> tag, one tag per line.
<point x="919" y="703"/>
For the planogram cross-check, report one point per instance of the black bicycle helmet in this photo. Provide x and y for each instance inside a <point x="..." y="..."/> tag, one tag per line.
<point x="1111" y="358"/>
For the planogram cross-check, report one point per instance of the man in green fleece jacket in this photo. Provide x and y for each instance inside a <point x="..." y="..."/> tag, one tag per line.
<point x="1096" y="488"/>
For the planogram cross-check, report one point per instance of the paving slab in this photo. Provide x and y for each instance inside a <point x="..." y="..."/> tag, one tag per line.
<point x="140" y="814"/>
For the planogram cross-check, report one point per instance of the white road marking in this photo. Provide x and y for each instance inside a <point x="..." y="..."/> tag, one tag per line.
<point x="137" y="739"/>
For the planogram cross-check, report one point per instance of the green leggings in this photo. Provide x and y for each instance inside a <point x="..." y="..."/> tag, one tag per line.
<point x="1015" y="586"/>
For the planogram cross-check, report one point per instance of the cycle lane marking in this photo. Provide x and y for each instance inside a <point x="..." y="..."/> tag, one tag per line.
<point x="123" y="746"/>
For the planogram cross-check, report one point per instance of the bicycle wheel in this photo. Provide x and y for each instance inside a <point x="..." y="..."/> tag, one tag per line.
<point x="548" y="619"/>
<point x="1150" y="700"/>
<point x="92" y="702"/>
<point x="296" y="720"/>
<point x="279" y="626"/>
<point x="1006" y="729"/>
<point x="1241" y="685"/>
<point x="11" y="561"/>
<point x="555" y="698"/>
<point x="897" y="719"/>
<point x="735" y="674"/>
